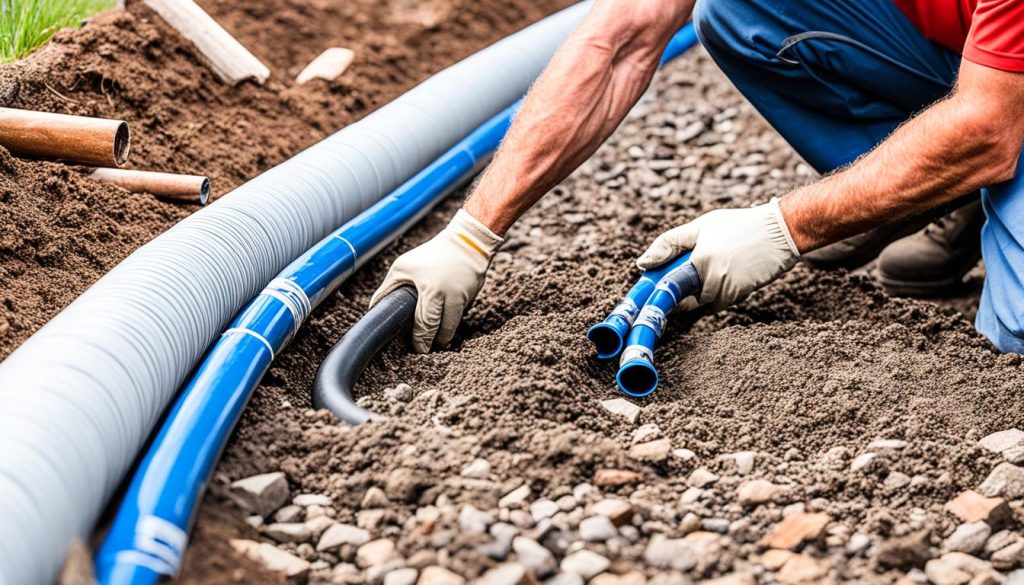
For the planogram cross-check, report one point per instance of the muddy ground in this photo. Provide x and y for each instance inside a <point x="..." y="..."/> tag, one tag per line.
<point x="805" y="375"/>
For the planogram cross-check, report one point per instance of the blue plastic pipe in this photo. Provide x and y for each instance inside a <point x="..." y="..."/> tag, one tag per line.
<point x="148" y="536"/>
<point x="637" y="376"/>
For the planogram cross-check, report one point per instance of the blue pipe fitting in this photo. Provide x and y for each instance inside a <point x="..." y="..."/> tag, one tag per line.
<point x="609" y="336"/>
<point x="637" y="376"/>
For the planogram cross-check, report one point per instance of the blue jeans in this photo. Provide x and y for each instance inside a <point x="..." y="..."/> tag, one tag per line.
<point x="835" y="78"/>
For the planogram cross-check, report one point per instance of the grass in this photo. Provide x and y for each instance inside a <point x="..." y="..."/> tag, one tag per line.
<point x="26" y="25"/>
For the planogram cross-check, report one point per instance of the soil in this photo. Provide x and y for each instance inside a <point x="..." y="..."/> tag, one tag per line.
<point x="806" y="373"/>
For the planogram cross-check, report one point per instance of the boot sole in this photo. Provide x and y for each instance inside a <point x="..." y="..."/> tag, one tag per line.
<point x="952" y="286"/>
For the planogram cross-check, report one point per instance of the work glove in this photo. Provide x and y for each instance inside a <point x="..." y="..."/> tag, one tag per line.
<point x="447" y="272"/>
<point x="735" y="252"/>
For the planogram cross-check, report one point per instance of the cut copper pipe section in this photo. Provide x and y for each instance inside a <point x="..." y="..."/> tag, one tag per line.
<point x="79" y="139"/>
<point x="186" y="188"/>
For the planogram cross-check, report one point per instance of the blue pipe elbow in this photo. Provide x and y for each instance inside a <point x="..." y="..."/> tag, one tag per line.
<point x="637" y="378"/>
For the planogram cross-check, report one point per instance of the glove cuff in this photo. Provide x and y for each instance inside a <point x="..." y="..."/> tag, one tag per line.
<point x="780" y="221"/>
<point x="474" y="234"/>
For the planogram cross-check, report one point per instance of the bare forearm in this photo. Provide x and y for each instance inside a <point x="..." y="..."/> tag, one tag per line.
<point x="585" y="92"/>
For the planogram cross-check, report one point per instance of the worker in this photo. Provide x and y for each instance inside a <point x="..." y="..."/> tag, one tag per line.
<point x="902" y="105"/>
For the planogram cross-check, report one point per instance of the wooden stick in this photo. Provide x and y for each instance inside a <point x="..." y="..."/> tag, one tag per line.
<point x="328" y="65"/>
<point x="80" y="139"/>
<point x="187" y="188"/>
<point x="232" y="62"/>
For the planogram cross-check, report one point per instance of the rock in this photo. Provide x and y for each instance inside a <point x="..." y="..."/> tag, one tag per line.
<point x="773" y="559"/>
<point x="255" y="520"/>
<point x="742" y="578"/>
<point x="1000" y="441"/>
<point x="654" y="451"/>
<point x="987" y="578"/>
<point x="290" y="513"/>
<point x="499" y="548"/>
<point x="1001" y="539"/>
<point x="515" y="498"/>
<point x="405" y="576"/>
<point x="567" y="503"/>
<point x="1008" y="557"/>
<point x="689" y="523"/>
<point x="375" y="498"/>
<point x="543" y="508"/>
<point x="684" y="454"/>
<point x="795" y="530"/>
<point x="565" y="579"/>
<point x="289" y="532"/>
<point x="623" y="408"/>
<point x="905" y="552"/>
<point x="1006" y="480"/>
<point x="597" y="529"/>
<point x="691" y="495"/>
<point x="272" y="558"/>
<point x="1015" y="454"/>
<point x="954" y="569"/>
<point x="585" y="563"/>
<point x="719" y="525"/>
<point x="744" y="461"/>
<point x="754" y="492"/>
<point x="620" y="512"/>
<point x="506" y="574"/>
<point x="306" y="500"/>
<point x="862" y="461"/>
<point x="400" y="393"/>
<point x="472" y="519"/>
<point x="376" y="552"/>
<point x="614" y="477"/>
<point x="404" y="485"/>
<point x="858" y="543"/>
<point x="802" y="569"/>
<point x="435" y="575"/>
<point x="681" y="554"/>
<point x="701" y="478"/>
<point x="319" y="525"/>
<point x="887" y="445"/>
<point x="896" y="480"/>
<point x="261" y="494"/>
<point x="968" y="538"/>
<point x="581" y="491"/>
<point x="339" y="534"/>
<point x="521" y="518"/>
<point x="537" y="559"/>
<point x="478" y="469"/>
<point x="646" y="433"/>
<point x="631" y="578"/>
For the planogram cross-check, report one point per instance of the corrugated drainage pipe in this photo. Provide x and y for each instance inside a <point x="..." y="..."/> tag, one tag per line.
<point x="637" y="376"/>
<point x="80" y="397"/>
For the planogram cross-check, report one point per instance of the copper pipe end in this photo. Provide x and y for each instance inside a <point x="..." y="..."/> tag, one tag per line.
<point x="122" y="143"/>
<point x="184" y="188"/>
<point x="76" y="139"/>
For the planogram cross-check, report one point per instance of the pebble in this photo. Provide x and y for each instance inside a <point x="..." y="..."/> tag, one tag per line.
<point x="630" y="578"/>
<point x="404" y="576"/>
<point x="375" y="552"/>
<point x="506" y="574"/>
<point x="319" y="525"/>
<point x="754" y="492"/>
<point x="375" y="498"/>
<point x="620" y="512"/>
<point x="581" y="491"/>
<point x="339" y="534"/>
<point x="306" y="500"/>
<point x="289" y="532"/>
<point x="691" y="495"/>
<point x="585" y="563"/>
<point x="743" y="578"/>
<point x="1015" y="454"/>
<point x="954" y="568"/>
<point x="701" y="478"/>
<point x="887" y="445"/>
<point x="654" y="451"/>
<point x="499" y="548"/>
<point x="1008" y="557"/>
<point x="272" y="557"/>
<point x="261" y="494"/>
<point x="255" y="520"/>
<point x="435" y="575"/>
<point x="858" y="543"/>
<point x="683" y="454"/>
<point x="537" y="559"/>
<point x="597" y="529"/>
<point x="290" y="513"/>
<point x="623" y="408"/>
<point x="802" y="569"/>
<point x="645" y="433"/>
<point x="478" y="469"/>
<point x="404" y="484"/>
<point x="905" y="552"/>
<point x="1006" y="480"/>
<point x="566" y="503"/>
<point x="896" y="480"/>
<point x="615" y="477"/>
<point x="521" y="518"/>
<point x="719" y="525"/>
<point x="400" y="393"/>
<point x="968" y="538"/>
<point x="472" y="519"/>
<point x="744" y="461"/>
<point x="543" y="508"/>
<point x="1000" y="441"/>
<point x="795" y="530"/>
<point x="689" y="523"/>
<point x="515" y="498"/>
<point x="862" y="461"/>
<point x="565" y="579"/>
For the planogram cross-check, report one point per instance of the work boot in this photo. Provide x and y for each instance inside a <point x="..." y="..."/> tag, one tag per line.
<point x="863" y="248"/>
<point x="933" y="261"/>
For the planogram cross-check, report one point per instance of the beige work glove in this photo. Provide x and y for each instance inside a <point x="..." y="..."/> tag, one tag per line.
<point x="447" y="272"/>
<point x="735" y="251"/>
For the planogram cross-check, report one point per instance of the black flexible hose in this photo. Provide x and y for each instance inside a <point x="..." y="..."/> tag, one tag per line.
<point x="340" y="370"/>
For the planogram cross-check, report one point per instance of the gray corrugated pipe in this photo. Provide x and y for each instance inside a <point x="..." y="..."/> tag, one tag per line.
<point x="79" y="398"/>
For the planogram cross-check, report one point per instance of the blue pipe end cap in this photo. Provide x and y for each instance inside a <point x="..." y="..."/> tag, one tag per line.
<point x="637" y="378"/>
<point x="607" y="340"/>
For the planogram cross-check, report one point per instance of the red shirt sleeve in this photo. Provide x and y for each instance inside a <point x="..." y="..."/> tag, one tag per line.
<point x="996" y="38"/>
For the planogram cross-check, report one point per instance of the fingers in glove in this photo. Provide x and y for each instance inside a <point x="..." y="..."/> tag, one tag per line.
<point x="426" y="320"/>
<point x="450" y="319"/>
<point x="669" y="245"/>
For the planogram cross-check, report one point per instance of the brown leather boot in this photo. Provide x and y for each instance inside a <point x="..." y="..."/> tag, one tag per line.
<point x="933" y="262"/>
<point x="858" y="250"/>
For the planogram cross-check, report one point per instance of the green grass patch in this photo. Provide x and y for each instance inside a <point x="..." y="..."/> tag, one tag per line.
<point x="26" y="25"/>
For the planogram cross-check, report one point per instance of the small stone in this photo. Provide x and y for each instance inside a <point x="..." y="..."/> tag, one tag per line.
<point x="375" y="552"/>
<point x="289" y="532"/>
<point x="566" y="503"/>
<point x="400" y="393"/>
<point x="1001" y="539"/>
<point x="1015" y="454"/>
<point x="1008" y="557"/>
<point x="691" y="495"/>
<point x="506" y="574"/>
<point x="1006" y="480"/>
<point x="968" y="538"/>
<point x="774" y="559"/>
<point x="565" y="579"/>
<point x="306" y="500"/>
<point x="896" y="480"/>
<point x="623" y="408"/>
<point x="646" y="433"/>
<point x="537" y="559"/>
<point x="597" y="529"/>
<point x="543" y="508"/>
<point x="405" y="576"/>
<point x="987" y="578"/>
<point x="681" y="554"/>
<point x="581" y="491"/>
<point x="375" y="498"/>
<point x="793" y="509"/>
<point x="654" y="451"/>
<point x="701" y="478"/>
<point x="1000" y="441"/>
<point x="630" y="578"/>
<point x="290" y="513"/>
<point x="683" y="454"/>
<point x="255" y="520"/>
<point x="620" y="512"/>
<point x="272" y="557"/>
<point x="795" y="530"/>
<point x="615" y="477"/>
<point x="435" y="575"/>
<point x="742" y="578"/>
<point x="472" y="519"/>
<point x="954" y="569"/>
<point x="744" y="461"/>
<point x="521" y="518"/>
<point x="905" y="552"/>
<point x="503" y="534"/>
<point x="515" y="498"/>
<point x="478" y="469"/>
<point x="319" y="525"/>
<point x="858" y="543"/>
<point x="261" y="494"/>
<point x="585" y="563"/>
<point x="404" y="485"/>
<point x="719" y="525"/>
<point x="689" y="523"/>
<point x="887" y="445"/>
<point x="754" y="492"/>
<point x="862" y="461"/>
<point x="802" y="569"/>
<point x="339" y="534"/>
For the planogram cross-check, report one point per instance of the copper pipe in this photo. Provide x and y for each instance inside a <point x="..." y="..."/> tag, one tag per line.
<point x="188" y="188"/>
<point x="90" y="141"/>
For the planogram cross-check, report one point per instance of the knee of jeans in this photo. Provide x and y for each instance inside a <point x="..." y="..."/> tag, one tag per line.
<point x="716" y="23"/>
